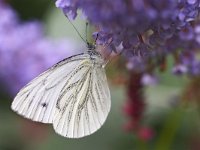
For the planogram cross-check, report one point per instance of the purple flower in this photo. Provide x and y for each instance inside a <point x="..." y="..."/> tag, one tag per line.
<point x="149" y="79"/>
<point x="163" y="26"/>
<point x="69" y="7"/>
<point x="24" y="50"/>
<point x="180" y="69"/>
<point x="7" y="14"/>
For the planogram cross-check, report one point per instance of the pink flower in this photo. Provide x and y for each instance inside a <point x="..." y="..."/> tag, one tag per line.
<point x="134" y="106"/>
<point x="145" y="133"/>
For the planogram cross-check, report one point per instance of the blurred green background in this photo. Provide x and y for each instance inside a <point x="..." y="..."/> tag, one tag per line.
<point x="175" y="124"/>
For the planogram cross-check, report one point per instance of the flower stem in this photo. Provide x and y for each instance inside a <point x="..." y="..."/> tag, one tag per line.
<point x="169" y="130"/>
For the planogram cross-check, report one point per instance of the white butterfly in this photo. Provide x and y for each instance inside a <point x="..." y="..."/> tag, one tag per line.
<point x="73" y="95"/>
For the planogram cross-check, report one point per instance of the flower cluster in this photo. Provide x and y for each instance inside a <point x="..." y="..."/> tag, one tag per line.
<point x="24" y="50"/>
<point x="148" y="30"/>
<point x="145" y="32"/>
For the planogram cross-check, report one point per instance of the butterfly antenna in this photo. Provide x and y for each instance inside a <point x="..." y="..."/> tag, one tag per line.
<point x="96" y="39"/>
<point x="86" y="32"/>
<point x="85" y="41"/>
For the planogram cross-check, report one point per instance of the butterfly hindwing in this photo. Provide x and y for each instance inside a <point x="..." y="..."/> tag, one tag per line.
<point x="85" y="109"/>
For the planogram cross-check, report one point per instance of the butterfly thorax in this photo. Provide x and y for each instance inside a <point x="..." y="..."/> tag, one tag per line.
<point x="91" y="47"/>
<point x="95" y="58"/>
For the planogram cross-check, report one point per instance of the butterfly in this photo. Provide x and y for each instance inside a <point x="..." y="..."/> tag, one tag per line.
<point x="73" y="95"/>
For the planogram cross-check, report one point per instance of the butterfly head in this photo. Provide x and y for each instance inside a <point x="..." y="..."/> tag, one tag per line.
<point x="91" y="46"/>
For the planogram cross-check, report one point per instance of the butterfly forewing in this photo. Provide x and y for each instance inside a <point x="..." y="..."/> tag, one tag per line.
<point x="73" y="95"/>
<point x="37" y="100"/>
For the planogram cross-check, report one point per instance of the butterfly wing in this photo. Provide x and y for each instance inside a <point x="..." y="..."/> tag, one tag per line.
<point x="84" y="109"/>
<point x="37" y="100"/>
